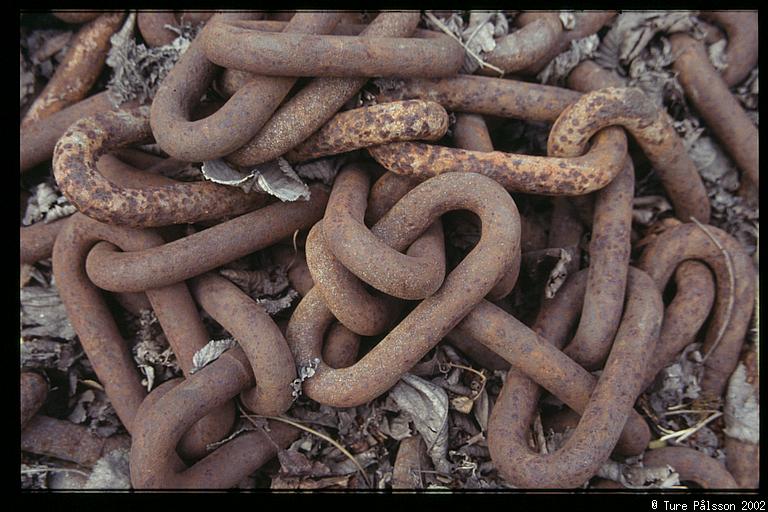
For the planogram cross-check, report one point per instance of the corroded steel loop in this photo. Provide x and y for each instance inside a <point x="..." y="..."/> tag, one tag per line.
<point x="152" y="27"/>
<point x="33" y="390"/>
<point x="486" y="96"/>
<point x="74" y="164"/>
<point x="233" y="45"/>
<point x="39" y="138"/>
<point x="107" y="351"/>
<point x="685" y="315"/>
<point x="742" y="51"/>
<point x="721" y="111"/>
<point x="540" y="359"/>
<point x="692" y="465"/>
<point x="81" y="66"/>
<point x="205" y="250"/>
<point x="368" y="254"/>
<point x="470" y="132"/>
<point x="604" y="416"/>
<point x="258" y="336"/>
<point x="590" y="76"/>
<point x="370" y="126"/>
<point x="380" y="368"/>
<point x="67" y="441"/>
<point x="318" y="101"/>
<point x="528" y="46"/>
<point x="385" y="192"/>
<point x="36" y="241"/>
<point x="633" y="110"/>
<point x="162" y="421"/>
<point x="240" y="119"/>
<point x="565" y="231"/>
<point x="345" y="295"/>
<point x="733" y="302"/>
<point x="517" y="173"/>
<point x="609" y="251"/>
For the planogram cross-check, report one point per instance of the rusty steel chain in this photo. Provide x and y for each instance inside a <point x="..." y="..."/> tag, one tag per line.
<point x="442" y="210"/>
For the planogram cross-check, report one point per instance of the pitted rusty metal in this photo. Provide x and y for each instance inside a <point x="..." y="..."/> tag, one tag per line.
<point x="107" y="351"/>
<point x="374" y="125"/>
<point x="258" y="336"/>
<point x="470" y="132"/>
<point x="692" y="466"/>
<point x="79" y="70"/>
<point x="633" y="110"/>
<point x="742" y="51"/>
<point x="237" y="46"/>
<point x="721" y="111"/>
<point x="685" y="315"/>
<point x="486" y="96"/>
<point x="36" y="241"/>
<point x="565" y="231"/>
<point x="175" y="406"/>
<point x="604" y="416"/>
<point x="66" y="441"/>
<point x="609" y="251"/>
<point x="733" y="302"/>
<point x="152" y="24"/>
<point x="239" y="119"/>
<point x="205" y="250"/>
<point x="38" y="139"/>
<point x="345" y="295"/>
<point x="317" y="102"/>
<point x="539" y="39"/>
<point x="152" y="27"/>
<point x="590" y="76"/>
<point x="33" y="390"/>
<point x="539" y="359"/>
<point x="517" y="173"/>
<point x="76" y="17"/>
<point x="368" y="253"/>
<point x="380" y="368"/>
<point x="384" y="193"/>
<point x="74" y="167"/>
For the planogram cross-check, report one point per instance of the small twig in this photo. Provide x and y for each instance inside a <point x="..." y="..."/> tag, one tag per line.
<point x="732" y="284"/>
<point x="689" y="411"/>
<point x="53" y="470"/>
<point x="480" y="373"/>
<point x="682" y="435"/>
<point x="300" y="426"/>
<point x="472" y="54"/>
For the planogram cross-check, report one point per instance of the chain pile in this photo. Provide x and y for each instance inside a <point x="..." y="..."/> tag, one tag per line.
<point x="369" y="248"/>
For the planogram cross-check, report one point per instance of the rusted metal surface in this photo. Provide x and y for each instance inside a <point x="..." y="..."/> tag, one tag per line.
<point x="258" y="336"/>
<point x="735" y="291"/>
<point x="721" y="111"/>
<point x="79" y="70"/>
<point x="633" y="110"/>
<point x="162" y="422"/>
<point x="685" y="315"/>
<point x="609" y="251"/>
<point x="34" y="391"/>
<point x="317" y="102"/>
<point x="367" y="253"/>
<point x="108" y="353"/>
<point x="240" y="119"/>
<point x="486" y="96"/>
<point x="604" y="416"/>
<point x="76" y="17"/>
<point x="205" y="250"/>
<point x="370" y="126"/>
<point x="74" y="167"/>
<point x="385" y="192"/>
<point x="692" y="466"/>
<point x="152" y="27"/>
<point x="517" y="173"/>
<point x="470" y="132"/>
<point x="380" y="368"/>
<point x="539" y="359"/>
<point x="565" y="231"/>
<point x="65" y="440"/>
<point x="38" y="139"/>
<point x="529" y="45"/>
<point x="743" y="44"/>
<point x="235" y="46"/>
<point x="36" y="241"/>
